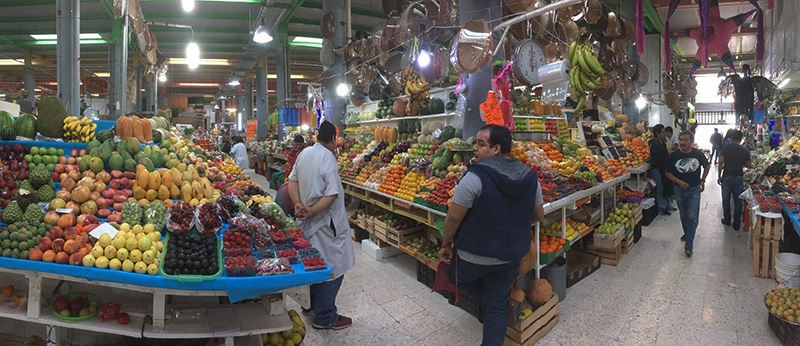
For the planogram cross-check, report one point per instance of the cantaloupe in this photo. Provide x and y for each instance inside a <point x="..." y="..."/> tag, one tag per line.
<point x="539" y="292"/>
<point x="517" y="295"/>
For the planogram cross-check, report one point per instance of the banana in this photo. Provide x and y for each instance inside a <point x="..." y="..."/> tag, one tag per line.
<point x="581" y="103"/>
<point x="571" y="55"/>
<point x="578" y="82"/>
<point x="588" y="81"/>
<point x="581" y="62"/>
<point x="68" y="120"/>
<point x="86" y="121"/>
<point x="594" y="65"/>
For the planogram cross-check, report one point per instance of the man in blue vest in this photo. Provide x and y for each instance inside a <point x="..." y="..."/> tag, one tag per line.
<point x="487" y="230"/>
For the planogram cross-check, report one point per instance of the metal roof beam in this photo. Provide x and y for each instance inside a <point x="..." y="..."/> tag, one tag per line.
<point x="313" y="22"/>
<point x="354" y="11"/>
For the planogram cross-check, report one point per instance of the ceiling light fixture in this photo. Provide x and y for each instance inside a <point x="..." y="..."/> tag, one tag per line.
<point x="162" y="78"/>
<point x="102" y="74"/>
<point x="234" y="82"/>
<point x="641" y="102"/>
<point x="343" y="89"/>
<point x="193" y="55"/>
<point x="11" y="62"/>
<point x="86" y="36"/>
<point x="305" y="39"/>
<point x="188" y="5"/>
<point x="261" y="35"/>
<point x="54" y="42"/>
<point x="208" y="62"/>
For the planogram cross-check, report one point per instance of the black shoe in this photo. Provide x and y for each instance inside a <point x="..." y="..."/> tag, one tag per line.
<point x="674" y="208"/>
<point x="726" y="223"/>
<point x="736" y="227"/>
<point x="666" y="213"/>
<point x="688" y="253"/>
<point x="683" y="237"/>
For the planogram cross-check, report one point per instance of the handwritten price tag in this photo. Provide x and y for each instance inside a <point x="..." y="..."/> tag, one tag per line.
<point x="492" y="113"/>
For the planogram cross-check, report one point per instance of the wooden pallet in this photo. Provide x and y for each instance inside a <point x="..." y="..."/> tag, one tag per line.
<point x="627" y="243"/>
<point x="766" y="228"/>
<point x="534" y="327"/>
<point x="764" y="241"/>
<point x="608" y="256"/>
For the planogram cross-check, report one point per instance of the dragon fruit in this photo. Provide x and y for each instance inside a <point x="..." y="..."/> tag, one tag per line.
<point x="109" y="311"/>
<point x="61" y="303"/>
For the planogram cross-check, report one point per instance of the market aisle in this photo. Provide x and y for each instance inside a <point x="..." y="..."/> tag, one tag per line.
<point x="655" y="296"/>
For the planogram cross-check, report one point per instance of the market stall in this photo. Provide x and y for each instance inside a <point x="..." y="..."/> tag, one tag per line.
<point x="141" y="214"/>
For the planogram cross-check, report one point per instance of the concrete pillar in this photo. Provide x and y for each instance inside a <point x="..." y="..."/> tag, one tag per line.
<point x="629" y="104"/>
<point x="118" y="99"/>
<point x="247" y="107"/>
<point x="149" y="98"/>
<point x="284" y="73"/>
<point x="334" y="105"/>
<point x="29" y="79"/>
<point x="480" y="82"/>
<point x="139" y="95"/>
<point x="262" y="103"/>
<point x="68" y="53"/>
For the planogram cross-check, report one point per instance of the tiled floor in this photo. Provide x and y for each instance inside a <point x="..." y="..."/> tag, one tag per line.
<point x="655" y="296"/>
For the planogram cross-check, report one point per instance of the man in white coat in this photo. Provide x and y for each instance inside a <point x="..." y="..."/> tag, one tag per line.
<point x="315" y="187"/>
<point x="239" y="153"/>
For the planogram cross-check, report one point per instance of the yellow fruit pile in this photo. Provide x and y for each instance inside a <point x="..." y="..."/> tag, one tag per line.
<point x="79" y="131"/>
<point x="784" y="303"/>
<point x="409" y="186"/>
<point x="167" y="184"/>
<point x="229" y="167"/>
<point x="134" y="249"/>
<point x="430" y="183"/>
<point x="291" y="337"/>
<point x="572" y="228"/>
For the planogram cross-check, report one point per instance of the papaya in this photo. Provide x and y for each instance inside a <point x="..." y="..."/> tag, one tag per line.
<point x="147" y="130"/>
<point x="174" y="191"/>
<point x="166" y="177"/>
<point x="136" y="124"/>
<point x="186" y="192"/>
<point x="163" y="192"/>
<point x="177" y="177"/>
<point x="155" y="181"/>
<point x="142" y="176"/>
<point x="151" y="195"/>
<point x="124" y="128"/>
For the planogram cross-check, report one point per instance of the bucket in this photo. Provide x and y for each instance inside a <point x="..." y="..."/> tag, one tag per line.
<point x="556" y="274"/>
<point x="787" y="267"/>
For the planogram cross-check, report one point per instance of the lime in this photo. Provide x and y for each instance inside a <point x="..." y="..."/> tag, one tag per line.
<point x="52" y="151"/>
<point x="37" y="159"/>
<point x="51" y="167"/>
<point x="34" y="150"/>
<point x="60" y="152"/>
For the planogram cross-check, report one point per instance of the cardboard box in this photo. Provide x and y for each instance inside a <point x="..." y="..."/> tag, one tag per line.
<point x="378" y="253"/>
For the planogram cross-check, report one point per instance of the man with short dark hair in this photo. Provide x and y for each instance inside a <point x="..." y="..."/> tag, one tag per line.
<point x="683" y="169"/>
<point x="488" y="227"/>
<point x="716" y="145"/>
<point x="658" y="160"/>
<point x="239" y="153"/>
<point x="671" y="139"/>
<point x="732" y="160"/>
<point x="316" y="189"/>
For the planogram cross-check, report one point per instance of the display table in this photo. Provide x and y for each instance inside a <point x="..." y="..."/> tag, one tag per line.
<point x="639" y="172"/>
<point x="254" y="319"/>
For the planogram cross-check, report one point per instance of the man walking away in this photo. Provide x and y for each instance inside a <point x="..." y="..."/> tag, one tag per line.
<point x="716" y="145"/>
<point x="732" y="160"/>
<point x="487" y="229"/>
<point x="658" y="158"/>
<point x="316" y="190"/>
<point x="683" y="169"/>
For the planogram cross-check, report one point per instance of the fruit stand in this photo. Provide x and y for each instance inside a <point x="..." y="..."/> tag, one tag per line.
<point x="83" y="222"/>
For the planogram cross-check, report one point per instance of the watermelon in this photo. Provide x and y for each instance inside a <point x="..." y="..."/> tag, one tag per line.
<point x="26" y="126"/>
<point x="104" y="135"/>
<point x="7" y="133"/>
<point x="156" y="136"/>
<point x="6" y="119"/>
<point x="436" y="106"/>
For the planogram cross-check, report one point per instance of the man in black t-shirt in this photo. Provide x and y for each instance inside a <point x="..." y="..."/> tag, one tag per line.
<point x="683" y="168"/>
<point x="716" y="145"/>
<point x="732" y="160"/>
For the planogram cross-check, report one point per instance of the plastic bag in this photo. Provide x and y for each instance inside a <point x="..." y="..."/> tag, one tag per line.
<point x="155" y="214"/>
<point x="230" y="206"/>
<point x="210" y="228"/>
<point x="274" y="266"/>
<point x="174" y="227"/>
<point x="248" y="223"/>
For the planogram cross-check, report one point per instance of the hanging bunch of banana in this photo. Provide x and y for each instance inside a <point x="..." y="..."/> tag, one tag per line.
<point x="416" y="89"/>
<point x="586" y="72"/>
<point x="79" y="131"/>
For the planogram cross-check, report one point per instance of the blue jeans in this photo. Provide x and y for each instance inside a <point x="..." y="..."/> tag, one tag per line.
<point x="323" y="299"/>
<point x="732" y="186"/>
<point x="689" y="206"/>
<point x="490" y="285"/>
<point x="664" y="203"/>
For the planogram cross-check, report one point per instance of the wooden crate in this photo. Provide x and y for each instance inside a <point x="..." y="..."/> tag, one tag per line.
<point x="627" y="243"/>
<point x="395" y="237"/>
<point x="608" y="241"/>
<point x="534" y="327"/>
<point x="378" y="241"/>
<point x="608" y="256"/>
<point x="764" y="251"/>
<point x="766" y="228"/>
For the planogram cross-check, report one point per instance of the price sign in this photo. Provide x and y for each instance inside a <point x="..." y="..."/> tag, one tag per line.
<point x="402" y="204"/>
<point x="583" y="201"/>
<point x="492" y="113"/>
<point x="63" y="210"/>
<point x="436" y="133"/>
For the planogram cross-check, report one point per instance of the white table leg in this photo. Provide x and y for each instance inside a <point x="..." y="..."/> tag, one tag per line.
<point x="34" y="296"/>
<point x="159" y="305"/>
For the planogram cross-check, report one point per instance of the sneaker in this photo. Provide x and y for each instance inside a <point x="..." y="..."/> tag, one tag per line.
<point x="674" y="208"/>
<point x="726" y="223"/>
<point x="688" y="252"/>
<point x="736" y="227"/>
<point x="683" y="237"/>
<point x="666" y="213"/>
<point x="342" y="323"/>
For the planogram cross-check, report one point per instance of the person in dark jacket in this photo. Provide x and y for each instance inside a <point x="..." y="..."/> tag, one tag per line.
<point x="487" y="230"/>
<point x="226" y="145"/>
<point x="658" y="157"/>
<point x="716" y="145"/>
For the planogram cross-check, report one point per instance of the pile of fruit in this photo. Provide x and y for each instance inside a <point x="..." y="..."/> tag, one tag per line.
<point x="392" y="180"/>
<point x="79" y="131"/>
<point x="419" y="245"/>
<point x="783" y="303"/>
<point x="191" y="255"/>
<point x="133" y="249"/>
<point x="409" y="186"/>
<point x="443" y="192"/>
<point x="550" y="244"/>
<point x="291" y="337"/>
<point x="205" y="143"/>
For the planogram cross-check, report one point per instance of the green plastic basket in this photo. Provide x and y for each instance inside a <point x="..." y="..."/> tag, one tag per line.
<point x="70" y="297"/>
<point x="189" y="278"/>
<point x="547" y="258"/>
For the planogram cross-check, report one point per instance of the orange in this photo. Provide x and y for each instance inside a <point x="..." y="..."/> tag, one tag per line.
<point x="8" y="291"/>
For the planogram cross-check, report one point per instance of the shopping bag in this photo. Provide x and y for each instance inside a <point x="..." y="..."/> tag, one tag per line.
<point x="443" y="282"/>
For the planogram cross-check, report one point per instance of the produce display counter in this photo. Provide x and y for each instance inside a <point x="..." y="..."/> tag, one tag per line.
<point x="396" y="205"/>
<point x="639" y="172"/>
<point x="269" y="316"/>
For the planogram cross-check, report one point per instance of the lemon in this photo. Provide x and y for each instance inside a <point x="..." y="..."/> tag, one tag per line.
<point x="152" y="269"/>
<point x="101" y="262"/>
<point x="140" y="267"/>
<point x="119" y="242"/>
<point x="88" y="260"/>
<point x="135" y="255"/>
<point x="155" y="236"/>
<point x="97" y="251"/>
<point x="148" y="256"/>
<point x="127" y="266"/>
<point x="122" y="254"/>
<point x="105" y="240"/>
<point x="145" y="244"/>
<point x="131" y="244"/>
<point x="115" y="264"/>
<point x="148" y="228"/>
<point x="137" y="229"/>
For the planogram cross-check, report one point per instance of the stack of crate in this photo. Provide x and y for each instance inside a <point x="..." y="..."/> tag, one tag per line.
<point x="764" y="240"/>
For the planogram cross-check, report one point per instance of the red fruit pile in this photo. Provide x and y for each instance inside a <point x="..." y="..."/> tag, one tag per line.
<point x="238" y="252"/>
<point x="296" y="233"/>
<point x="441" y="192"/>
<point x="236" y="239"/>
<point x="209" y="217"/>
<point x="287" y="253"/>
<point x="240" y="266"/>
<point x="313" y="263"/>
<point x="278" y="236"/>
<point x="301" y="244"/>
<point x="181" y="214"/>
<point x="260" y="241"/>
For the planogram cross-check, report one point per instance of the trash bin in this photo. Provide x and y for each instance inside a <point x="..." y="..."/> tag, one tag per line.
<point x="556" y="274"/>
